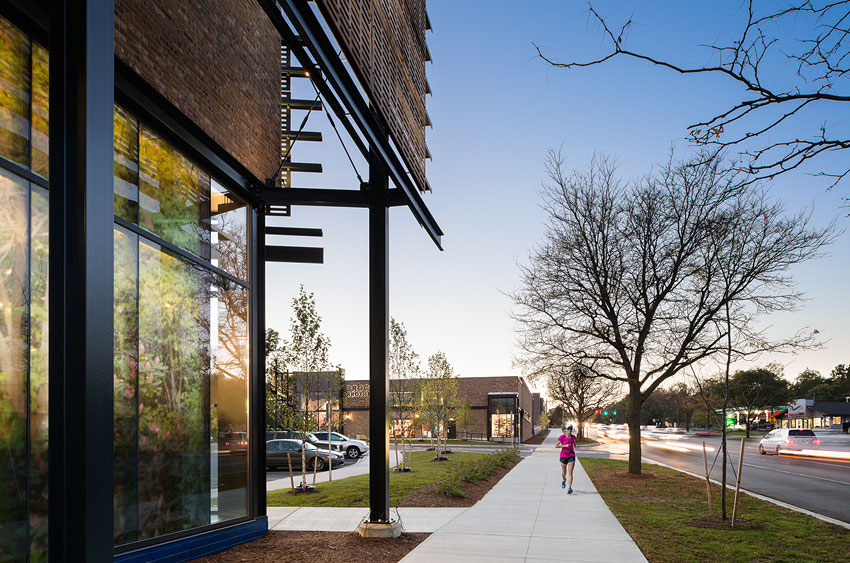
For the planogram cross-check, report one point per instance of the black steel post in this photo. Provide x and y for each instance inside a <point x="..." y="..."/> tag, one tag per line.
<point x="81" y="279"/>
<point x="379" y="414"/>
<point x="257" y="387"/>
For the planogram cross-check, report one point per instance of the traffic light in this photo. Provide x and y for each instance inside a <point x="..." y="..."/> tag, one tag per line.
<point x="615" y="413"/>
<point x="596" y="411"/>
<point x="604" y="413"/>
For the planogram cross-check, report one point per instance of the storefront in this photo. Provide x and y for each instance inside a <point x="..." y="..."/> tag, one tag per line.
<point x="139" y="146"/>
<point x="825" y="415"/>
<point x="501" y="408"/>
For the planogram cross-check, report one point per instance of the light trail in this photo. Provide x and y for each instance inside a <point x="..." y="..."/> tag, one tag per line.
<point x="818" y="454"/>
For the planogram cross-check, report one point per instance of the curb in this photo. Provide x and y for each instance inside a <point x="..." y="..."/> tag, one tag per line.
<point x="828" y="519"/>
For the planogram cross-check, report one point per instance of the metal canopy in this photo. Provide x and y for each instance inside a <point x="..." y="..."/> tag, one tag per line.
<point x="351" y="108"/>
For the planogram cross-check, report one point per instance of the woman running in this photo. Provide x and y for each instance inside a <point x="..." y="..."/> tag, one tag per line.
<point x="567" y="444"/>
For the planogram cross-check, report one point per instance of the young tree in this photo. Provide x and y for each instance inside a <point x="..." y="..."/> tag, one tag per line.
<point x="307" y="353"/>
<point x="580" y="390"/>
<point x="770" y="124"/>
<point x="404" y="369"/>
<point x="439" y="397"/>
<point x="631" y="281"/>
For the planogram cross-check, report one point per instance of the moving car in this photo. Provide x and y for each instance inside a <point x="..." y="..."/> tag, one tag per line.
<point x="795" y="439"/>
<point x="277" y="450"/>
<point x="353" y="448"/>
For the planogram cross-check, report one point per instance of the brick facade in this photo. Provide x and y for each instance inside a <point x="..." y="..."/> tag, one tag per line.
<point x="218" y="62"/>
<point x="355" y="403"/>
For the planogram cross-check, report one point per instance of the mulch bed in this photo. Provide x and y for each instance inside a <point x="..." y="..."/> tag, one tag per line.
<point x="324" y="547"/>
<point x="537" y="440"/>
<point x="429" y="496"/>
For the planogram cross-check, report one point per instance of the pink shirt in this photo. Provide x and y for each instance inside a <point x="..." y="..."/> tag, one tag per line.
<point x="570" y="444"/>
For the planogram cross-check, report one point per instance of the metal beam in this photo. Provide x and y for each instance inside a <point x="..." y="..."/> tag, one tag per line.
<point x="257" y="386"/>
<point x="315" y="197"/>
<point x="379" y="400"/>
<point x="295" y="254"/>
<point x="294" y="231"/>
<point x="294" y="103"/>
<point x="311" y="33"/>
<point x="312" y="136"/>
<point x="302" y="166"/>
<point x="81" y="280"/>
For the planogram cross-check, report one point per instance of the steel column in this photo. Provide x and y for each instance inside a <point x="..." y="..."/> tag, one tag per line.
<point x="81" y="279"/>
<point x="379" y="414"/>
<point x="257" y="387"/>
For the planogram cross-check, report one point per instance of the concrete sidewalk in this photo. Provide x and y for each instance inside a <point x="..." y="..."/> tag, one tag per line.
<point x="527" y="517"/>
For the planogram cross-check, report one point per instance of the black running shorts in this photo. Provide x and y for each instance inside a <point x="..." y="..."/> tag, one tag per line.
<point x="566" y="460"/>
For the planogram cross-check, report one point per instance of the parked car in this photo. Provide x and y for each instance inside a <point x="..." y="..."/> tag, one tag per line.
<point x="289" y="435"/>
<point x="353" y="448"/>
<point x="788" y="439"/>
<point x="277" y="450"/>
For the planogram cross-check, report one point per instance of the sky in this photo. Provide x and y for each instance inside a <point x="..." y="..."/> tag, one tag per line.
<point x="497" y="110"/>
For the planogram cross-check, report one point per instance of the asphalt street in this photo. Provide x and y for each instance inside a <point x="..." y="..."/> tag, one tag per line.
<point x="818" y="485"/>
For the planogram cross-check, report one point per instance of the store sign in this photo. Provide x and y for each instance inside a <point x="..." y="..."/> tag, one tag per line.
<point x="357" y="391"/>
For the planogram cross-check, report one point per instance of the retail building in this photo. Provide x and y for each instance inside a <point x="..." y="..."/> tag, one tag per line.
<point x="502" y="409"/>
<point x="143" y="144"/>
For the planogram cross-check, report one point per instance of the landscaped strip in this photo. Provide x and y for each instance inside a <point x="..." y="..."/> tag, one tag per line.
<point x="666" y="513"/>
<point x="354" y="491"/>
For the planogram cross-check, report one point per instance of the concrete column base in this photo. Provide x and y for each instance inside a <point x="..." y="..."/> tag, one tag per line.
<point x="380" y="529"/>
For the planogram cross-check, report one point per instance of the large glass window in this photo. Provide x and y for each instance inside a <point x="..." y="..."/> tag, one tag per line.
<point x="23" y="299"/>
<point x="502" y="410"/>
<point x="181" y="341"/>
<point x="181" y="326"/>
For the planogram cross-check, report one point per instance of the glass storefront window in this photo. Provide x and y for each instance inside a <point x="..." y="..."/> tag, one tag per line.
<point x="502" y="417"/>
<point x="23" y="299"/>
<point x="181" y="342"/>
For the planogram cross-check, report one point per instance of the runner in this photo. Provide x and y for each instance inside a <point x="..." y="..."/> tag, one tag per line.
<point x="567" y="444"/>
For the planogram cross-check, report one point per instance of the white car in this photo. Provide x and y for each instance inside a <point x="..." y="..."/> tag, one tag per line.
<point x="795" y="439"/>
<point x="353" y="448"/>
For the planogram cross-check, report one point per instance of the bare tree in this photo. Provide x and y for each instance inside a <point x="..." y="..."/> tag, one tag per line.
<point x="627" y="280"/>
<point x="813" y="37"/>
<point x="580" y="390"/>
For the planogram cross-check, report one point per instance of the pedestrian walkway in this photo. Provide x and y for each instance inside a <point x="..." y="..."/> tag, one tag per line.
<point x="345" y="519"/>
<point x="527" y="517"/>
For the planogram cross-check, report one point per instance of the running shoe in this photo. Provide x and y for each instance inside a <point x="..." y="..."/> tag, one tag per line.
<point x="564" y="485"/>
<point x="570" y="491"/>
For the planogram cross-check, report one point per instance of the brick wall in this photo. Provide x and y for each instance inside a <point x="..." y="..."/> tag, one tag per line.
<point x="218" y="62"/>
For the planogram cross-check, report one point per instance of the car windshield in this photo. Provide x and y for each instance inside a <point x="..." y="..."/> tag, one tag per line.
<point x="309" y="446"/>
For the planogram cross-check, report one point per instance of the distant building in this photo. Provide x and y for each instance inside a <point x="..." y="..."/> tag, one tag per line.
<point x="807" y="413"/>
<point x="503" y="408"/>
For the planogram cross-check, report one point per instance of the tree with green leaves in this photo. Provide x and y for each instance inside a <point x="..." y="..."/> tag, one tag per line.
<point x="404" y="370"/>
<point x="307" y="354"/>
<point x="439" y="397"/>
<point x="754" y="389"/>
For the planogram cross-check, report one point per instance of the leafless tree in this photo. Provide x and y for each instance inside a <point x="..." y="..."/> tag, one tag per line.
<point x="628" y="279"/>
<point x="579" y="389"/>
<point x="813" y="36"/>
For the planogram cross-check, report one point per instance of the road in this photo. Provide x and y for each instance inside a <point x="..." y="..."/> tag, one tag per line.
<point x="818" y="485"/>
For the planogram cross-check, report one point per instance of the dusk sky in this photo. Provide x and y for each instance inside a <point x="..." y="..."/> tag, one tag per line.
<point x="497" y="109"/>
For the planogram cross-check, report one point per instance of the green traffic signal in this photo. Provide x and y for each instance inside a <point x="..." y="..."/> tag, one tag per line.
<point x="615" y="413"/>
<point x="604" y="413"/>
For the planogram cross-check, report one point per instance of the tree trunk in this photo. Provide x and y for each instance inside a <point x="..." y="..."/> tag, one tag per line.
<point x="634" y="429"/>
<point x="580" y="433"/>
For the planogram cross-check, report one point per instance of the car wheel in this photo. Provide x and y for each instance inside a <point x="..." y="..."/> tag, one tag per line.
<point x="318" y="464"/>
<point x="352" y="452"/>
<point x="761" y="450"/>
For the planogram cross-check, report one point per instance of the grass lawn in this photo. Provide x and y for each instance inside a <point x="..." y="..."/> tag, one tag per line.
<point x="666" y="513"/>
<point x="354" y="491"/>
<point x="586" y="441"/>
<point x="461" y="443"/>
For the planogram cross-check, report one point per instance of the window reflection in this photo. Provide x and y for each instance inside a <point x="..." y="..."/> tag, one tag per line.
<point x="181" y="343"/>
<point x="502" y="417"/>
<point x="174" y="195"/>
<point x="23" y="370"/>
<point x="14" y="93"/>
